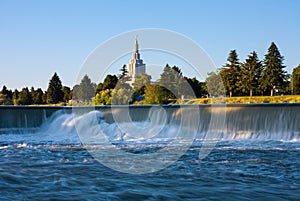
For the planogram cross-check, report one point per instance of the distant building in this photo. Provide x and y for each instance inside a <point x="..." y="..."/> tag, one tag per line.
<point x="136" y="65"/>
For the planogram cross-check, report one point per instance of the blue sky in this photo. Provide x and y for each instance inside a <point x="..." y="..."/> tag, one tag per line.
<point x="38" y="38"/>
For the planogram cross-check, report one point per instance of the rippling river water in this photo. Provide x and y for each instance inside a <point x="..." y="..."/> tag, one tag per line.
<point x="54" y="165"/>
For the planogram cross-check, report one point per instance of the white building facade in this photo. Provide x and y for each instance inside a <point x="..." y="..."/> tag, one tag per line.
<point x="136" y="65"/>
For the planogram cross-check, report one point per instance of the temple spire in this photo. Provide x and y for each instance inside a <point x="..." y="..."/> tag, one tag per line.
<point x="136" y="45"/>
<point x="136" y="65"/>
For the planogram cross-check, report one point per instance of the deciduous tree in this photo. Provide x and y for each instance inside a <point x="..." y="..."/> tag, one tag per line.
<point x="24" y="97"/>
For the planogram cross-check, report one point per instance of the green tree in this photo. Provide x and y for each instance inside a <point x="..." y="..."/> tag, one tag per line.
<point x="155" y="94"/>
<point x="67" y="93"/>
<point x="214" y="84"/>
<point x="140" y="82"/>
<point x="38" y="99"/>
<point x="110" y="82"/>
<point x="124" y="71"/>
<point x="199" y="88"/>
<point x="24" y="97"/>
<point x="6" y="96"/>
<point x="15" y="96"/>
<point x="99" y="87"/>
<point x="33" y="94"/>
<point x="121" y="96"/>
<point x="273" y="76"/>
<point x="170" y="79"/>
<point x="296" y="80"/>
<point x="44" y="97"/>
<point x="230" y="73"/>
<point x="251" y="72"/>
<point x="54" y="91"/>
<point x="74" y="92"/>
<point x="86" y="89"/>
<point x="104" y="97"/>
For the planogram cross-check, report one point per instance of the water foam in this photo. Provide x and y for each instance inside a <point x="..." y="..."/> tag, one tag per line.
<point x="60" y="128"/>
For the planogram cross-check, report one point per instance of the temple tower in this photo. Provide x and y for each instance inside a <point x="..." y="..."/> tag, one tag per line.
<point x="136" y="65"/>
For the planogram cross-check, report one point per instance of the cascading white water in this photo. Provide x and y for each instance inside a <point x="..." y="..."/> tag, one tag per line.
<point x="279" y="123"/>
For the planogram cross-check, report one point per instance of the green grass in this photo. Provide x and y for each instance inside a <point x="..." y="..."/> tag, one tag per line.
<point x="243" y="100"/>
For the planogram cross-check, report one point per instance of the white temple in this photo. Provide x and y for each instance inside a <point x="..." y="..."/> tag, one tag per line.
<point x="136" y="65"/>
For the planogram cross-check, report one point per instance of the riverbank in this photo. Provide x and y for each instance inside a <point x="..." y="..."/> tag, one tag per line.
<point x="243" y="100"/>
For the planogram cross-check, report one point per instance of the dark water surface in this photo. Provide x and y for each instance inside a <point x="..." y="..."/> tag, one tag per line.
<point x="239" y="170"/>
<point x="246" y="164"/>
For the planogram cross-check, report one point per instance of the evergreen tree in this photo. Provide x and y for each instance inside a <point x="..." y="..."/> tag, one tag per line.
<point x="123" y="71"/>
<point x="296" y="80"/>
<point x="251" y="72"/>
<point x="166" y="76"/>
<point x="273" y="76"/>
<point x="230" y="73"/>
<point x="44" y="97"/>
<point x="4" y="90"/>
<point x="86" y="89"/>
<point x="6" y="96"/>
<point x="74" y="92"/>
<point x="54" y="91"/>
<point x="24" y="97"/>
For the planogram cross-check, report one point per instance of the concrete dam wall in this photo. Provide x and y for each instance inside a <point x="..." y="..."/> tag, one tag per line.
<point x="269" y="119"/>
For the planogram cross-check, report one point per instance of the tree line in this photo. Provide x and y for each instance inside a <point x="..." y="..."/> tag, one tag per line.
<point x="235" y="78"/>
<point x="54" y="94"/>
<point x="115" y="89"/>
<point x="121" y="89"/>
<point x="254" y="76"/>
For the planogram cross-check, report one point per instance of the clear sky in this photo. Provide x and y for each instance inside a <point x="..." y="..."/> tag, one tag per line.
<point x="38" y="38"/>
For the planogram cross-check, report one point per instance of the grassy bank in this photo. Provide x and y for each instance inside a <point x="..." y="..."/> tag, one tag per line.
<point x="243" y="100"/>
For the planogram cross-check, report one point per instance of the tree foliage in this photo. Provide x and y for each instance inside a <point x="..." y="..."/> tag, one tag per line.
<point x="124" y="71"/>
<point x="140" y="83"/>
<point x="296" y="80"/>
<point x="86" y="89"/>
<point x="199" y="88"/>
<point x="24" y="97"/>
<point x="54" y="91"/>
<point x="110" y="82"/>
<point x="251" y="72"/>
<point x="103" y="97"/>
<point x="170" y="79"/>
<point x="67" y="93"/>
<point x="6" y="96"/>
<point x="155" y="94"/>
<point x="214" y="84"/>
<point x="274" y="76"/>
<point x="121" y="96"/>
<point x="230" y="73"/>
